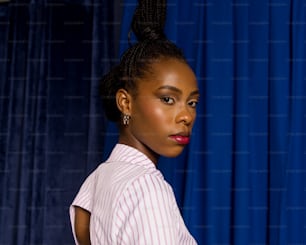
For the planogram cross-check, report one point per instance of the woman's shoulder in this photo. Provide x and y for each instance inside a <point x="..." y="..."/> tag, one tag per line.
<point x="147" y="185"/>
<point x="123" y="174"/>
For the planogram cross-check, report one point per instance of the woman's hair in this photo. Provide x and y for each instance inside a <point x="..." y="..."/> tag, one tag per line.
<point x="148" y="26"/>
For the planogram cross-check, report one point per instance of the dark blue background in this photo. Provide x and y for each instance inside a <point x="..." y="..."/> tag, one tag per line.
<point x="242" y="179"/>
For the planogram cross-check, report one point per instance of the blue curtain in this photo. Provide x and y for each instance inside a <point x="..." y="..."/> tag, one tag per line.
<point x="241" y="180"/>
<point x="52" y="54"/>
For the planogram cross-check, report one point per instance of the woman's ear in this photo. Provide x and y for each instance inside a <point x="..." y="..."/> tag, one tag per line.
<point x="123" y="99"/>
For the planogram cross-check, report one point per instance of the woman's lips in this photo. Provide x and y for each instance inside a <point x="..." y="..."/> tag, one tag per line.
<point x="183" y="140"/>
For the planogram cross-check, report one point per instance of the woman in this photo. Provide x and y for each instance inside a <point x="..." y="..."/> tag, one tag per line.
<point x="152" y="95"/>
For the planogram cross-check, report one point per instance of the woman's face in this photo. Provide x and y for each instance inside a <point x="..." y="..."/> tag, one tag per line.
<point x="164" y="109"/>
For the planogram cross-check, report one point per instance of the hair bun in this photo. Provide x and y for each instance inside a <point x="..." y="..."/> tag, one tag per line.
<point x="149" y="20"/>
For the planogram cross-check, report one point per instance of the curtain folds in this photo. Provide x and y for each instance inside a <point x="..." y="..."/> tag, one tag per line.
<point x="52" y="126"/>
<point x="242" y="178"/>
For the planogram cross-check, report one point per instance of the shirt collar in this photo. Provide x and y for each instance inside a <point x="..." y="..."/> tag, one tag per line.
<point x="125" y="153"/>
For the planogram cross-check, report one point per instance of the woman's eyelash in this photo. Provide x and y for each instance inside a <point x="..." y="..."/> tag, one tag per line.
<point x="170" y="101"/>
<point x="193" y="103"/>
<point x="167" y="100"/>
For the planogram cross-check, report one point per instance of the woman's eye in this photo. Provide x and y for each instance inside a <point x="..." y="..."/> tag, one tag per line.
<point x="193" y="103"/>
<point x="167" y="100"/>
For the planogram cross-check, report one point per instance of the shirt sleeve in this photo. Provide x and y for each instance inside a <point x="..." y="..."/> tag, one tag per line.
<point x="83" y="199"/>
<point x="144" y="213"/>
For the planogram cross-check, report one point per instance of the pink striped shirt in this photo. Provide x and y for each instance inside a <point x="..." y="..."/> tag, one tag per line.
<point x="130" y="203"/>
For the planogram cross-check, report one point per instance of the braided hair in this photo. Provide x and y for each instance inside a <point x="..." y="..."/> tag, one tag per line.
<point x="148" y="26"/>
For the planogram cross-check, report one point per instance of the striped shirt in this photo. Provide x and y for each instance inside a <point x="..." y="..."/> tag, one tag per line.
<point x="130" y="203"/>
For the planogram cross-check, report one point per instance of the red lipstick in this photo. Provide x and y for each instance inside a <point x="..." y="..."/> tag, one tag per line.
<point x="183" y="140"/>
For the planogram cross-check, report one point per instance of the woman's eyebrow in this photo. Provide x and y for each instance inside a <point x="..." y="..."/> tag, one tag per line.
<point x="196" y="92"/>
<point x="175" y="89"/>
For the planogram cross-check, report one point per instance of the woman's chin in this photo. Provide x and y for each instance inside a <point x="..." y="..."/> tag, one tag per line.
<point x="173" y="153"/>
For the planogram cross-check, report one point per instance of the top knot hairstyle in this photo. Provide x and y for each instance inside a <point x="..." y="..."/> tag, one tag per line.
<point x="148" y="26"/>
<point x="149" y="20"/>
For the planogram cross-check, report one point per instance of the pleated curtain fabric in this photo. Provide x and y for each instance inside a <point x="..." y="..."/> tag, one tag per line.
<point x="242" y="178"/>
<point x="52" y="55"/>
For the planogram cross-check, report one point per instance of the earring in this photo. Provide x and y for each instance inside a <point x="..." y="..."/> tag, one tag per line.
<point x="126" y="119"/>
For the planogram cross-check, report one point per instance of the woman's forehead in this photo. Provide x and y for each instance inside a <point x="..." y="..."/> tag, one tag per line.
<point x="169" y="72"/>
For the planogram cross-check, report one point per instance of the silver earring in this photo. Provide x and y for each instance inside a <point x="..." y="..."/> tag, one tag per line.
<point x="126" y="119"/>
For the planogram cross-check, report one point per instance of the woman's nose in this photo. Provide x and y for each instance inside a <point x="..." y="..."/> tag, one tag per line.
<point x="185" y="115"/>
